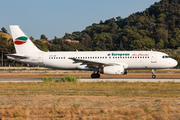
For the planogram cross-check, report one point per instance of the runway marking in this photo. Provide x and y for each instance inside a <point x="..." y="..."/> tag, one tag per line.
<point x="130" y="80"/>
<point x="92" y="80"/>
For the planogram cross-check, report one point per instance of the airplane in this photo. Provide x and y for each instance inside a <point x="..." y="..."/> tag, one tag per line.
<point x="104" y="62"/>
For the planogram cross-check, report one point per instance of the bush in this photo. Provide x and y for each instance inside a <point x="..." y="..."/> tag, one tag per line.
<point x="63" y="79"/>
<point x="46" y="79"/>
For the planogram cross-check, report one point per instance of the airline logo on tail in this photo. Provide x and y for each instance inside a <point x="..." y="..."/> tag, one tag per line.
<point x="20" y="40"/>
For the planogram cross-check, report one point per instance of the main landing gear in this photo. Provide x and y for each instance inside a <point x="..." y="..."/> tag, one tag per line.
<point x="95" y="75"/>
<point x="153" y="75"/>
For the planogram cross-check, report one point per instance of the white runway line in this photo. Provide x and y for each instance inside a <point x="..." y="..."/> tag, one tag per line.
<point x="130" y="80"/>
<point x="91" y="80"/>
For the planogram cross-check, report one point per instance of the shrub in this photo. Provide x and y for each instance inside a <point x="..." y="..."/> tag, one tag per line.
<point x="46" y="79"/>
<point x="63" y="79"/>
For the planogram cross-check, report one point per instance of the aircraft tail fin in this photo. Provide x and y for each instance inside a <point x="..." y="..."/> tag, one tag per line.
<point x="21" y="42"/>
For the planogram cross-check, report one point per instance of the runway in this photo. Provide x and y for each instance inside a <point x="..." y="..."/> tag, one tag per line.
<point x="92" y="80"/>
<point x="130" y="80"/>
<point x="21" y="80"/>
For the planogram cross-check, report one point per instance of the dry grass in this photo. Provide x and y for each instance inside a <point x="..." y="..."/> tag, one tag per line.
<point x="123" y="89"/>
<point x="89" y="101"/>
<point x="84" y="108"/>
<point x="101" y="100"/>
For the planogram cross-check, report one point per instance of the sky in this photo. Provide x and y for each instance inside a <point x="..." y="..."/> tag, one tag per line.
<point x="57" y="17"/>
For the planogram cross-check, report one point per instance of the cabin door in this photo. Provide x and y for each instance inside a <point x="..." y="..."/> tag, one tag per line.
<point x="40" y="59"/>
<point x="153" y="57"/>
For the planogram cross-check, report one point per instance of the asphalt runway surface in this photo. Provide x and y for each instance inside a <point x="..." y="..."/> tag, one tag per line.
<point x="93" y="80"/>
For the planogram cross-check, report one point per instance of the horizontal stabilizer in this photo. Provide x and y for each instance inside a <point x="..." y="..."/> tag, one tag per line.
<point x="16" y="56"/>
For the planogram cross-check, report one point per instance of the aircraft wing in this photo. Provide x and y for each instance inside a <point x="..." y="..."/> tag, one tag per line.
<point x="16" y="56"/>
<point x="91" y="63"/>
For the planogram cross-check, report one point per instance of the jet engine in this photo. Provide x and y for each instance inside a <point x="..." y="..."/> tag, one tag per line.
<point x="113" y="70"/>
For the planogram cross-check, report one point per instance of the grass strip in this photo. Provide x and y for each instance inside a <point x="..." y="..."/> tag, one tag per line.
<point x="124" y="89"/>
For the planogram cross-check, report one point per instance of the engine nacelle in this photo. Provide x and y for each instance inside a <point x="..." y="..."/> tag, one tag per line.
<point x="113" y="70"/>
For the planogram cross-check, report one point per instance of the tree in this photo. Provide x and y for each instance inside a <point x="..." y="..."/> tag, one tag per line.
<point x="118" y="18"/>
<point x="43" y="37"/>
<point x="85" y="39"/>
<point x="4" y="30"/>
<point x="31" y="38"/>
<point x="160" y="45"/>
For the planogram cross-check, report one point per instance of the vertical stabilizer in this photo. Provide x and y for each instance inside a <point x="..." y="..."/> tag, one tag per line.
<point x="21" y="42"/>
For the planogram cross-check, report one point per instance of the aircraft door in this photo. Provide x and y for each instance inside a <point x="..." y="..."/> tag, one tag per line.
<point x="153" y="57"/>
<point x="40" y="59"/>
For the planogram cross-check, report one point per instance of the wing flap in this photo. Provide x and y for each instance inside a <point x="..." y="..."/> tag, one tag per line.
<point x="97" y="64"/>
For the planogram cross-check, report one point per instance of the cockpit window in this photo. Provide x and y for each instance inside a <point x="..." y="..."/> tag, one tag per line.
<point x="166" y="57"/>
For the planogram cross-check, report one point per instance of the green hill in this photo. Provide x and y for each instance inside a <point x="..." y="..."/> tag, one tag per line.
<point x="157" y="27"/>
<point x="5" y="35"/>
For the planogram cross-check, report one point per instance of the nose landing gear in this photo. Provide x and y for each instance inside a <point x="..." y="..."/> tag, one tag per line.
<point x="153" y="75"/>
<point x="95" y="75"/>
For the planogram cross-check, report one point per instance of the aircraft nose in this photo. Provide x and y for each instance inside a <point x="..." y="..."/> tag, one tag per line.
<point x="174" y="63"/>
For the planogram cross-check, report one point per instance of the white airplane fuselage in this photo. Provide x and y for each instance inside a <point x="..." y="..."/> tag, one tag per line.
<point x="134" y="59"/>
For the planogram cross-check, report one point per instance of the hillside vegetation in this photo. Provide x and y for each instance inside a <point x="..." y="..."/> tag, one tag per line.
<point x="157" y="28"/>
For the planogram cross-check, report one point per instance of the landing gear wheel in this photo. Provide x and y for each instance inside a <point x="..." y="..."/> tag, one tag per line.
<point x="153" y="76"/>
<point x="95" y="75"/>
